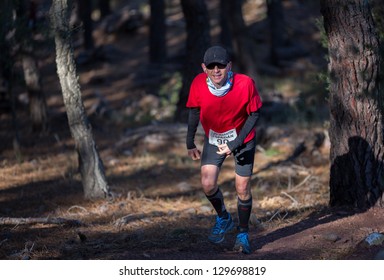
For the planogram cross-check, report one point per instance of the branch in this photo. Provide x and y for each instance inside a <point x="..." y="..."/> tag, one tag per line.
<point x="29" y="221"/>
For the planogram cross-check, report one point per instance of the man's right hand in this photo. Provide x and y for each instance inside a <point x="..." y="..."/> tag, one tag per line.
<point x="194" y="153"/>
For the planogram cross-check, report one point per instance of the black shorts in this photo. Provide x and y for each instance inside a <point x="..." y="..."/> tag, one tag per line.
<point x="244" y="157"/>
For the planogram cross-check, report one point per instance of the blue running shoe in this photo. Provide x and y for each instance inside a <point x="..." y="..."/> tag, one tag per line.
<point x="242" y="243"/>
<point x="221" y="227"/>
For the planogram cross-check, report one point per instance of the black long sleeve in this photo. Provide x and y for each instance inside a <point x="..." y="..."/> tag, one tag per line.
<point x="249" y="124"/>
<point x="193" y="122"/>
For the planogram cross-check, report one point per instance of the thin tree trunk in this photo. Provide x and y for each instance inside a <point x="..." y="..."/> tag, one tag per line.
<point x="356" y="105"/>
<point x="32" y="77"/>
<point x="198" y="40"/>
<point x="225" y="32"/>
<point x="85" y="10"/>
<point x="25" y="11"/>
<point x="7" y="63"/>
<point x="90" y="165"/>
<point x="37" y="104"/>
<point x="277" y="27"/>
<point x="34" y="220"/>
<point x="157" y="42"/>
<point x="244" y="58"/>
<point x="105" y="8"/>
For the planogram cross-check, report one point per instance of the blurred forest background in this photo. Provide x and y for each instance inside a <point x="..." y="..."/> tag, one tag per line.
<point x="133" y="62"/>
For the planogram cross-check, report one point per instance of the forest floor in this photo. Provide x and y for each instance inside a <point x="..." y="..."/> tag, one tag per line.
<point x="158" y="210"/>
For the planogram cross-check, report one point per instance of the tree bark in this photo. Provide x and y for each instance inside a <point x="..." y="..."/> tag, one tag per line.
<point x="244" y="58"/>
<point x="32" y="77"/>
<point x="37" y="103"/>
<point x="105" y="8"/>
<point x="278" y="31"/>
<point x="157" y="42"/>
<point x="85" y="10"/>
<point x="225" y="32"/>
<point x="7" y="65"/>
<point x="33" y="220"/>
<point x="356" y="105"/>
<point x="198" y="40"/>
<point x="90" y="164"/>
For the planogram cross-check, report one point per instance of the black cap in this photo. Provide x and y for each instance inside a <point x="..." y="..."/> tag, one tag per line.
<point x="216" y="54"/>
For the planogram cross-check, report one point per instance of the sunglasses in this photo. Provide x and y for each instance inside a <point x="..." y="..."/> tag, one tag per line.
<point x="213" y="65"/>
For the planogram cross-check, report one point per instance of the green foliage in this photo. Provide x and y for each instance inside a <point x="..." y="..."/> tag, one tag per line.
<point x="271" y="152"/>
<point x="319" y="22"/>
<point x="323" y="78"/>
<point x="303" y="99"/>
<point x="160" y="105"/>
<point x="169" y="92"/>
<point x="378" y="16"/>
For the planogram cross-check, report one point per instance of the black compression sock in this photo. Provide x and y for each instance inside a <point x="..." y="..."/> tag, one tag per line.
<point x="217" y="201"/>
<point x="244" y="208"/>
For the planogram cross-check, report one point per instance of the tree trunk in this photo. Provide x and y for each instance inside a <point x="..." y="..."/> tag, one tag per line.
<point x="277" y="28"/>
<point x="356" y="105"/>
<point x="34" y="220"/>
<point x="105" y="8"/>
<point x="37" y="103"/>
<point x="85" y="10"/>
<point x="7" y="65"/>
<point x="198" y="40"/>
<point x="32" y="77"/>
<point x="225" y="32"/>
<point x="244" y="59"/>
<point x="90" y="164"/>
<point x="157" y="42"/>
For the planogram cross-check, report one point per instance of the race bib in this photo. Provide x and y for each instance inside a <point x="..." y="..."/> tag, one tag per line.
<point x="217" y="139"/>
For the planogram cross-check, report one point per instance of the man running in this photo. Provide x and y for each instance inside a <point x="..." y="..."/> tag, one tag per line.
<point x="227" y="105"/>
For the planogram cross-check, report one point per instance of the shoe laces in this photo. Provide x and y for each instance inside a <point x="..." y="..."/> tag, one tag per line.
<point x="219" y="225"/>
<point x="243" y="238"/>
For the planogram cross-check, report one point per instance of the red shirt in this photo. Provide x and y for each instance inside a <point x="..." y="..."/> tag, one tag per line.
<point x="227" y="112"/>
